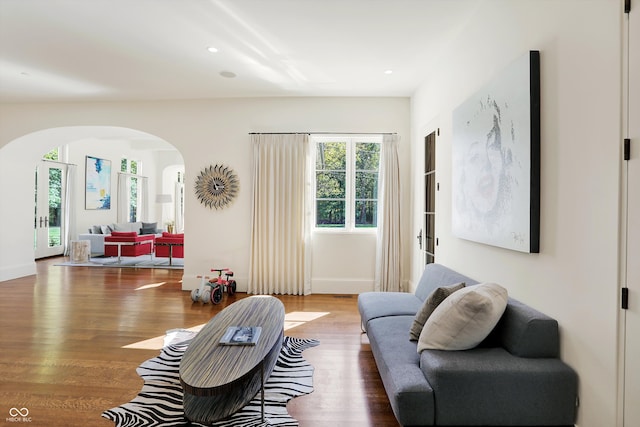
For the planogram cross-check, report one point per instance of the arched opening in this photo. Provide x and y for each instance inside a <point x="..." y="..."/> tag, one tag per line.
<point x="118" y="146"/>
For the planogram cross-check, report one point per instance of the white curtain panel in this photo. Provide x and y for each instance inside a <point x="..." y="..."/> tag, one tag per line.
<point x="143" y="199"/>
<point x="388" y="276"/>
<point x="123" y="198"/>
<point x="178" y="204"/>
<point x="70" y="207"/>
<point x="280" y="255"/>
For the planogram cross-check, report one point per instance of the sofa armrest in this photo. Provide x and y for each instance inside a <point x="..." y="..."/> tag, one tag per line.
<point x="526" y="332"/>
<point x="497" y="388"/>
<point x="97" y="242"/>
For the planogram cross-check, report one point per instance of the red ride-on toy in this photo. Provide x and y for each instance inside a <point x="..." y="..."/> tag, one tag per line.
<point x="212" y="289"/>
<point x="220" y="285"/>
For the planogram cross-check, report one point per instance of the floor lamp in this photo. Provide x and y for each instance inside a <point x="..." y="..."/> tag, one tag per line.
<point x="164" y="199"/>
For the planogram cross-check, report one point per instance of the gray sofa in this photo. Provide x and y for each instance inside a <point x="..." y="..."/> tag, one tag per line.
<point x="97" y="233"/>
<point x="513" y="378"/>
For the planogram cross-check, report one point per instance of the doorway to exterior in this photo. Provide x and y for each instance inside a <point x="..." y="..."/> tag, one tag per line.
<point x="427" y="237"/>
<point x="49" y="212"/>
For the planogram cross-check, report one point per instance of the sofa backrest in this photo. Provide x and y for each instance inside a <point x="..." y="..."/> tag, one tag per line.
<point x="436" y="275"/>
<point x="127" y="226"/>
<point x="525" y="332"/>
<point x="522" y="330"/>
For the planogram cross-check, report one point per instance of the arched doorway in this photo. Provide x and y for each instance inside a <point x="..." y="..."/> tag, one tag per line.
<point x="19" y="158"/>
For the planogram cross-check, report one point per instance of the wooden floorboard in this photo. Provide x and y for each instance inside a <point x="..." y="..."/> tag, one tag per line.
<point x="63" y="332"/>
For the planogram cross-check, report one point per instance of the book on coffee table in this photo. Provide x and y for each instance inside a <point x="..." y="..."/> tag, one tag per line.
<point x="241" y="335"/>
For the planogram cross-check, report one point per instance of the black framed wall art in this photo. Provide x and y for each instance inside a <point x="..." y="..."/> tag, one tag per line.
<point x="496" y="160"/>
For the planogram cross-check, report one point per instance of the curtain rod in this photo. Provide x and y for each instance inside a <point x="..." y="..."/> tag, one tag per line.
<point x="133" y="175"/>
<point x="322" y="133"/>
<point x="58" y="162"/>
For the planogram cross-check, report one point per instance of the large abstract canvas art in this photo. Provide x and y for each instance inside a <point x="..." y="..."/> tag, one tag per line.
<point x="98" y="183"/>
<point x="496" y="160"/>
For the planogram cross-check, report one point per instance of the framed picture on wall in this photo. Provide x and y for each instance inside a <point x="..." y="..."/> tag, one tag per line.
<point x="496" y="160"/>
<point x="97" y="183"/>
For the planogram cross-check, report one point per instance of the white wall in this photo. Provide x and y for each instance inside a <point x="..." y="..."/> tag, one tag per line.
<point x="574" y="278"/>
<point x="205" y="132"/>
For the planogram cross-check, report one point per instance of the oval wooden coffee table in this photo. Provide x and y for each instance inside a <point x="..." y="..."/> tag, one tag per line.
<point x="219" y="380"/>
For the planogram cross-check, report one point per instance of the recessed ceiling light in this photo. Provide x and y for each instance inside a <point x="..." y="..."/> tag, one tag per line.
<point x="227" y="74"/>
<point x="212" y="49"/>
<point x="388" y="71"/>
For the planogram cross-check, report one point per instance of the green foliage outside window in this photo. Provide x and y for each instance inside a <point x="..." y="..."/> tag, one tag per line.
<point x="131" y="166"/>
<point x="54" y="218"/>
<point x="331" y="163"/>
<point x="340" y="164"/>
<point x="55" y="181"/>
<point x="366" y="199"/>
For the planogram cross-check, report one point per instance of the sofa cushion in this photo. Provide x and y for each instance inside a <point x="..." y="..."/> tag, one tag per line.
<point x="410" y="394"/>
<point x="373" y="305"/>
<point x="121" y="227"/>
<point x="127" y="226"/>
<point x="435" y="275"/>
<point x="124" y="234"/>
<point x="149" y="228"/>
<point x="464" y="319"/>
<point x="173" y="235"/>
<point x="428" y="306"/>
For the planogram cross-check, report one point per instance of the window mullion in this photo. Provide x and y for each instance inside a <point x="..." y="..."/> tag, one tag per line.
<point x="351" y="186"/>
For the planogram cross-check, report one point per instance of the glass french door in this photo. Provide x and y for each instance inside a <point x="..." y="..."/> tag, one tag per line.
<point x="49" y="210"/>
<point x="428" y="232"/>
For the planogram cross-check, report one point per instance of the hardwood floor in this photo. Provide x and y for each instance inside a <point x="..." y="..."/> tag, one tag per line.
<point x="63" y="333"/>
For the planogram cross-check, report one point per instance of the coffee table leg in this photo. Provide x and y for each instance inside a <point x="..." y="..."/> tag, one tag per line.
<point x="262" y="388"/>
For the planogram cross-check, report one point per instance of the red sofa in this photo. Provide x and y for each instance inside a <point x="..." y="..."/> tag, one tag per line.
<point x="170" y="243"/>
<point x="129" y="242"/>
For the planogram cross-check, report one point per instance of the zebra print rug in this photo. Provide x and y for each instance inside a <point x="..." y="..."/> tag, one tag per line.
<point x="159" y="403"/>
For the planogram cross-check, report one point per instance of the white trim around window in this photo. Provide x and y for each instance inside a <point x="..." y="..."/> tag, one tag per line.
<point x="349" y="225"/>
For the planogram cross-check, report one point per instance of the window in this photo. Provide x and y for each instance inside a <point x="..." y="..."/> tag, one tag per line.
<point x="132" y="167"/>
<point x="346" y="181"/>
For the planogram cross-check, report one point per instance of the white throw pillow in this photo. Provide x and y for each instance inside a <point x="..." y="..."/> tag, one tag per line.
<point x="122" y="226"/>
<point x="464" y="318"/>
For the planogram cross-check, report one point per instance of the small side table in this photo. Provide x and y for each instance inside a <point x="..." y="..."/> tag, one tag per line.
<point x="80" y="251"/>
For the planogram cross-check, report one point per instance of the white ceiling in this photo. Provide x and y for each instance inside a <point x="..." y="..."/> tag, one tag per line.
<point x="108" y="50"/>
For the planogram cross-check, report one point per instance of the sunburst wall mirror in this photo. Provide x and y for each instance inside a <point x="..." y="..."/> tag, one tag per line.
<point x="217" y="186"/>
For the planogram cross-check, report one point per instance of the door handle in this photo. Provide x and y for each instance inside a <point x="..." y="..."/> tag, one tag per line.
<point x="40" y="222"/>
<point x="46" y="221"/>
<point x="419" y="237"/>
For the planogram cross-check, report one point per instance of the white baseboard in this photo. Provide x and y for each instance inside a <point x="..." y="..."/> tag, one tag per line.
<point x="341" y="286"/>
<point x="318" y="286"/>
<point x="17" y="271"/>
